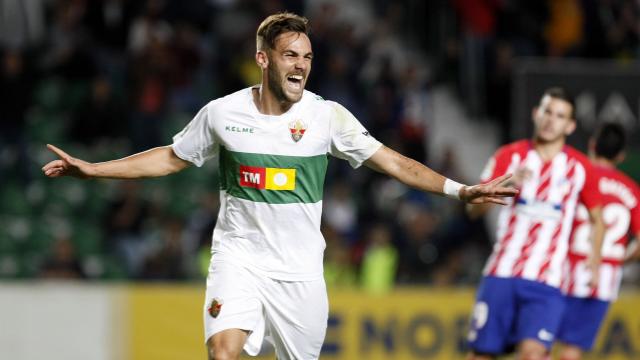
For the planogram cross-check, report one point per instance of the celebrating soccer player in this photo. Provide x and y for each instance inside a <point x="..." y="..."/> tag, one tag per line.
<point x="272" y="139"/>
<point x="519" y="303"/>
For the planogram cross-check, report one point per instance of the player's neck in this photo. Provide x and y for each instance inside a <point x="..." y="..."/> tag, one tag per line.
<point x="266" y="102"/>
<point x="548" y="150"/>
<point x="603" y="162"/>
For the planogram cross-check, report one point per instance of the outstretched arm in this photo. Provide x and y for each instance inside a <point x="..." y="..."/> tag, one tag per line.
<point x="155" y="162"/>
<point x="423" y="178"/>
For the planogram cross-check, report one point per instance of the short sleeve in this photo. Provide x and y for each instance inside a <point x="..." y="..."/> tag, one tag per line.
<point x="497" y="165"/>
<point x="590" y="195"/>
<point x="196" y="142"/>
<point x="349" y="139"/>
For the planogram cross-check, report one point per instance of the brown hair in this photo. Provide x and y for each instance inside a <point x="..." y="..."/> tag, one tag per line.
<point x="277" y="24"/>
<point x="561" y="93"/>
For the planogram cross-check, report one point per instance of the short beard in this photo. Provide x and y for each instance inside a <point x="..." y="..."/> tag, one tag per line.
<point x="275" y="85"/>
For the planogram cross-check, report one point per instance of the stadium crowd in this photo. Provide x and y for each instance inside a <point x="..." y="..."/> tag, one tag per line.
<point x="112" y="77"/>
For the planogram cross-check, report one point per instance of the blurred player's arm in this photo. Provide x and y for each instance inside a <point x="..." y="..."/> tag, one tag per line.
<point x="633" y="250"/>
<point x="597" y="236"/>
<point x="416" y="175"/>
<point x="159" y="161"/>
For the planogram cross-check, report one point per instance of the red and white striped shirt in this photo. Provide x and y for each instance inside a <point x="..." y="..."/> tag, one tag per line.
<point x="621" y="214"/>
<point x="533" y="231"/>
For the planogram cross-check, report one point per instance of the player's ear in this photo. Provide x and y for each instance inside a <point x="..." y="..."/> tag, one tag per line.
<point x="534" y="110"/>
<point x="620" y="157"/>
<point x="262" y="59"/>
<point x="571" y="127"/>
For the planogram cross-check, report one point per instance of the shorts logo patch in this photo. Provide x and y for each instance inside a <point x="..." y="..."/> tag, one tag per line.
<point x="478" y="319"/>
<point x="215" y="307"/>
<point x="480" y="314"/>
<point x="545" y="335"/>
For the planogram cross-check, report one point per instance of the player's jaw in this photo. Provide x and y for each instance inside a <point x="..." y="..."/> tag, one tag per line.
<point x="549" y="134"/>
<point x="286" y="86"/>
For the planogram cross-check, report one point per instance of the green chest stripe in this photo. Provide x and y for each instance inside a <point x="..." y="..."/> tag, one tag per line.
<point x="309" y="176"/>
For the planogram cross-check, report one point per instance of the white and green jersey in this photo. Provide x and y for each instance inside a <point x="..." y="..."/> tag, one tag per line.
<point x="272" y="171"/>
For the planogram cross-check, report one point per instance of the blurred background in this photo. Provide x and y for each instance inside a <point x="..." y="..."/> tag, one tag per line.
<point x="442" y="81"/>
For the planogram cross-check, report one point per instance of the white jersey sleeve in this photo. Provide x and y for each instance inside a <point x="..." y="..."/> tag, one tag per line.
<point x="197" y="142"/>
<point x="349" y="139"/>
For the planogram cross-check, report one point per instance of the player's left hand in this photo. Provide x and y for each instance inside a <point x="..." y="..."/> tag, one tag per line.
<point x="493" y="192"/>
<point x="633" y="251"/>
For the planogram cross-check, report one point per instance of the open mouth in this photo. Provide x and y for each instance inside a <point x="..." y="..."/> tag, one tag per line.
<point x="295" y="81"/>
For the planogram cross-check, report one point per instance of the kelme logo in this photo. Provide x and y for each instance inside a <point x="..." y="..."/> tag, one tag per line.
<point x="239" y="129"/>
<point x="267" y="178"/>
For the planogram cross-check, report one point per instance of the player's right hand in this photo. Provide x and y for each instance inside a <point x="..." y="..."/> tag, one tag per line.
<point x="66" y="165"/>
<point x="493" y="192"/>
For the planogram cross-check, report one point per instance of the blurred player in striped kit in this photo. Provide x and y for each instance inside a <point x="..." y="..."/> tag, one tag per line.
<point x="519" y="303"/>
<point x="586" y="307"/>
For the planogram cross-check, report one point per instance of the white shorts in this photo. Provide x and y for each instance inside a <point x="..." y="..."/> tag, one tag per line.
<point x="292" y="315"/>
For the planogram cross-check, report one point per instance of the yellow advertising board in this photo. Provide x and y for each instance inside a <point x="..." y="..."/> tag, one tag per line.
<point x="165" y="322"/>
<point x="406" y="324"/>
<point x="619" y="336"/>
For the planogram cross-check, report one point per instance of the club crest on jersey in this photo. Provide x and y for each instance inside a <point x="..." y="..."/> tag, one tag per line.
<point x="215" y="307"/>
<point x="297" y="128"/>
